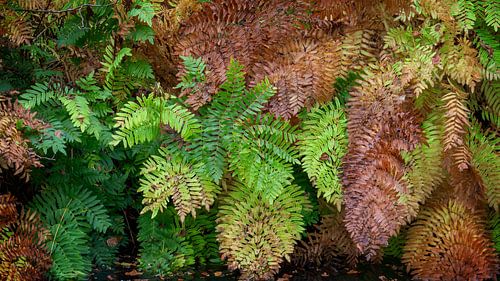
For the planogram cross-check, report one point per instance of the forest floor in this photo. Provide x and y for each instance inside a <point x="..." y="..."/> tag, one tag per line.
<point x="127" y="271"/>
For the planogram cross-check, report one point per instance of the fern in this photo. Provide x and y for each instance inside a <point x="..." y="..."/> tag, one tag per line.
<point x="141" y="121"/>
<point x="168" y="246"/>
<point x="426" y="172"/>
<point x="252" y="246"/>
<point x="486" y="161"/>
<point x="323" y="143"/>
<point x="172" y="176"/>
<point x="261" y="156"/>
<point x="70" y="214"/>
<point x="232" y="106"/>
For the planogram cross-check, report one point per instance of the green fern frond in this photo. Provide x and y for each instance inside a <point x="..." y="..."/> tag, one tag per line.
<point x="195" y="73"/>
<point x="464" y="11"/>
<point x="485" y="150"/>
<point x="70" y="214"/>
<point x="171" y="176"/>
<point x="263" y="154"/>
<point x="224" y="118"/>
<point x="168" y="245"/>
<point x="141" y="121"/>
<point x="78" y="109"/>
<point x="256" y="235"/>
<point x="426" y="172"/>
<point x="37" y="95"/>
<point x="495" y="230"/>
<point x="323" y="143"/>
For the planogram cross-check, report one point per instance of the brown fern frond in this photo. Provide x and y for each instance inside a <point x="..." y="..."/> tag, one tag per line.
<point x="22" y="249"/>
<point x="304" y="70"/>
<point x="20" y="31"/>
<point x="462" y="63"/>
<point x="329" y="244"/>
<point x="36" y="4"/>
<point x="8" y="210"/>
<point x="456" y="124"/>
<point x="382" y="125"/>
<point x="359" y="13"/>
<point x="243" y="30"/>
<point x="448" y="242"/>
<point x="14" y="150"/>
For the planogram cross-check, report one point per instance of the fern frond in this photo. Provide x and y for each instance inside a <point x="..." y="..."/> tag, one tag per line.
<point x="70" y="213"/>
<point x="425" y="161"/>
<point x="22" y="248"/>
<point x="457" y="121"/>
<point x="323" y="144"/>
<point x="262" y="156"/>
<point x="224" y="119"/>
<point x="172" y="176"/>
<point x="447" y="242"/>
<point x="256" y="235"/>
<point x="78" y="109"/>
<point x="141" y="121"/>
<point x="485" y="149"/>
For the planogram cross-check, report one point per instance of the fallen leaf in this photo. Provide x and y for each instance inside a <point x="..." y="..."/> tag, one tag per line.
<point x="133" y="273"/>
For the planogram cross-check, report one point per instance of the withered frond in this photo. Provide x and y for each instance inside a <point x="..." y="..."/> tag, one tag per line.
<point x="448" y="242"/>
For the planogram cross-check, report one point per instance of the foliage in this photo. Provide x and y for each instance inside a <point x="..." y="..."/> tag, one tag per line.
<point x="449" y="230"/>
<point x="323" y="144"/>
<point x="22" y="243"/>
<point x="269" y="115"/>
<point x="254" y="245"/>
<point x="169" y="245"/>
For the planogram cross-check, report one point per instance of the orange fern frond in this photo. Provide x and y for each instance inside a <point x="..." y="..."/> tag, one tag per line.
<point x="8" y="210"/>
<point x="448" y="242"/>
<point x="382" y="125"/>
<point x="22" y="249"/>
<point x="14" y="150"/>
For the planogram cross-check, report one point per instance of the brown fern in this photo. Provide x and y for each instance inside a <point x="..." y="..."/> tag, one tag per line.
<point x="14" y="150"/>
<point x="22" y="248"/>
<point x="448" y="242"/>
<point x="382" y="125"/>
<point x="8" y="210"/>
<point x="330" y="244"/>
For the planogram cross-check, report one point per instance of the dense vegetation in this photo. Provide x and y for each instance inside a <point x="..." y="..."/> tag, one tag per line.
<point x="249" y="134"/>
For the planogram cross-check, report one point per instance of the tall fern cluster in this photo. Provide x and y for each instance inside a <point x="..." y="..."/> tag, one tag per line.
<point x="230" y="140"/>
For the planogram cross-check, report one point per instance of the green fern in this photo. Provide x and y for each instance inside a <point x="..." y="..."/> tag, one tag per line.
<point x="256" y="235"/>
<point x="170" y="175"/>
<point x="141" y="121"/>
<point x="485" y="149"/>
<point x="224" y="118"/>
<point x="70" y="213"/>
<point x="426" y="172"/>
<point x="195" y="73"/>
<point x="263" y="154"/>
<point x="323" y="143"/>
<point x="168" y="246"/>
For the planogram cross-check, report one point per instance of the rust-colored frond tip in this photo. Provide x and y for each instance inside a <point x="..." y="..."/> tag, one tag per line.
<point x="8" y="210"/>
<point x="382" y="125"/>
<point x="22" y="249"/>
<point x="448" y="242"/>
<point x="14" y="150"/>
